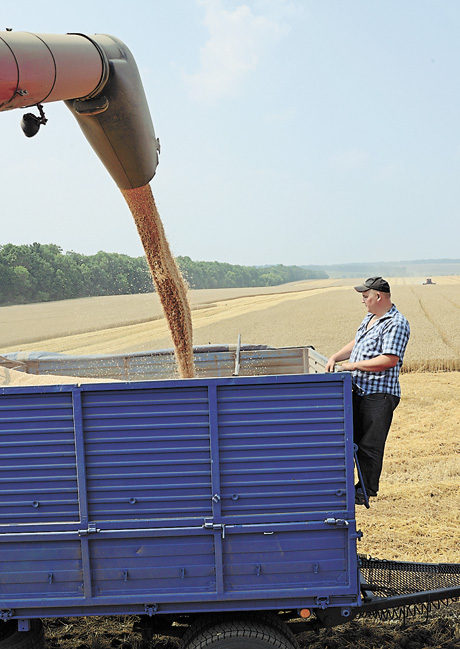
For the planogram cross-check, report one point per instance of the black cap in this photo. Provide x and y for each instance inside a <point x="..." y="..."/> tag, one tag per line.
<point x="375" y="283"/>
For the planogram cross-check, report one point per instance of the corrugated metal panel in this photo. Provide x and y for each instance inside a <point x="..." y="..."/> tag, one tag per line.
<point x="38" y="568"/>
<point x="286" y="560"/>
<point x="163" y="565"/>
<point x="38" y="474"/>
<point x="282" y="450"/>
<point x="204" y="494"/>
<point x="147" y="453"/>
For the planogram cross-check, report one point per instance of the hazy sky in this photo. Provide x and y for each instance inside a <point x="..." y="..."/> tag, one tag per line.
<point x="292" y="132"/>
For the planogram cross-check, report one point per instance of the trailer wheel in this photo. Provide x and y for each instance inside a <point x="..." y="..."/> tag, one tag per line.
<point x="240" y="634"/>
<point x="11" y="638"/>
<point x="264" y="618"/>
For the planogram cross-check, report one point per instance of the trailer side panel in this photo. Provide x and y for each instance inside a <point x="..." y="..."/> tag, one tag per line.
<point x="177" y="496"/>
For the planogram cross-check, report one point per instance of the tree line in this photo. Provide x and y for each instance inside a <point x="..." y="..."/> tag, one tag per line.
<point x="43" y="272"/>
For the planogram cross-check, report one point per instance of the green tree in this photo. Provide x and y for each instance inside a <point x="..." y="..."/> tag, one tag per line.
<point x="40" y="272"/>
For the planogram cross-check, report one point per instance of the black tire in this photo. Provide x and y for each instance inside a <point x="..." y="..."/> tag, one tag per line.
<point x="240" y="634"/>
<point x="266" y="618"/>
<point x="11" y="638"/>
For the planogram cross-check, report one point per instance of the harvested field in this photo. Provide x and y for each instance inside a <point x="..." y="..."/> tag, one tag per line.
<point x="34" y="323"/>
<point x="416" y="516"/>
<point x="322" y="313"/>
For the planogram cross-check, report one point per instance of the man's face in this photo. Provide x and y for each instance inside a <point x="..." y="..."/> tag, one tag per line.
<point x="370" y="300"/>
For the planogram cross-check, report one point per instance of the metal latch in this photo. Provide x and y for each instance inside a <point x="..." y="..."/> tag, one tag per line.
<point x="150" y="609"/>
<point x="6" y="614"/>
<point x="91" y="529"/>
<point x="210" y="525"/>
<point x="341" y="522"/>
<point x="322" y="602"/>
<point x="24" y="624"/>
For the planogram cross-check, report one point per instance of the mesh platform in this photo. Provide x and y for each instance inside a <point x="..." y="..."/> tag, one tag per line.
<point x="389" y="578"/>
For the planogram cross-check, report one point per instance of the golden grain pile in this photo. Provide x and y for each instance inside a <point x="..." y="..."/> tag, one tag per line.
<point x="15" y="378"/>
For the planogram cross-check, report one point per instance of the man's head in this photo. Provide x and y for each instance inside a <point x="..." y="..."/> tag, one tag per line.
<point x="376" y="295"/>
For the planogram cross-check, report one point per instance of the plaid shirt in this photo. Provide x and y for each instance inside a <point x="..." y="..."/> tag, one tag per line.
<point x="389" y="335"/>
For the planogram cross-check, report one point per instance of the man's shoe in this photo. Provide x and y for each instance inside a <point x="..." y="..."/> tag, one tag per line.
<point x="359" y="497"/>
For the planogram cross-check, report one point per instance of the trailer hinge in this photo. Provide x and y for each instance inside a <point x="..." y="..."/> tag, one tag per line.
<point x="91" y="529"/>
<point x="322" y="602"/>
<point x="150" y="609"/>
<point x="6" y="614"/>
<point x="341" y="522"/>
<point x="24" y="624"/>
<point x="210" y="525"/>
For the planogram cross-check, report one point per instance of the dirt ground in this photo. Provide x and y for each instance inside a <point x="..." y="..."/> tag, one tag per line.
<point x="441" y="630"/>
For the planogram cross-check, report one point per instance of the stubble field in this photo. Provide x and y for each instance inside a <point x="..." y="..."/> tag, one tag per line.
<point x="416" y="516"/>
<point x="322" y="313"/>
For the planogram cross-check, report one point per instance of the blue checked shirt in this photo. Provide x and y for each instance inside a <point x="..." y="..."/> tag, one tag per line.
<point x="389" y="335"/>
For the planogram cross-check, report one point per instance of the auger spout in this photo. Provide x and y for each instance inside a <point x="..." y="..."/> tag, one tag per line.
<point x="98" y="79"/>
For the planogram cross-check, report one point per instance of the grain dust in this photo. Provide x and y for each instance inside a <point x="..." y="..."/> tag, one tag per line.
<point x="166" y="275"/>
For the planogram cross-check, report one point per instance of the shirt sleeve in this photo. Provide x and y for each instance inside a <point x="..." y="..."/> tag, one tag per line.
<point x="395" y="338"/>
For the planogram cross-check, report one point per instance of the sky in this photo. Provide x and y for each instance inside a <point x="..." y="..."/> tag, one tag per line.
<point x="292" y="132"/>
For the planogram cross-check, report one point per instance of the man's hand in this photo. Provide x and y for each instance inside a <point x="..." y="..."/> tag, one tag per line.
<point x="330" y="365"/>
<point x="341" y="355"/>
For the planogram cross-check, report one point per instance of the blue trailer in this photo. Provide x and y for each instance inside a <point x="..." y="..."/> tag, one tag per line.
<point x="224" y="503"/>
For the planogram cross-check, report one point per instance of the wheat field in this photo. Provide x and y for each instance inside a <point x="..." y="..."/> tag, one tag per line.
<point x="323" y="313"/>
<point x="416" y="516"/>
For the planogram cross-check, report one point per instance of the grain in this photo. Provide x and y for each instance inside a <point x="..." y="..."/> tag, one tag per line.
<point x="167" y="278"/>
<point x="15" y="378"/>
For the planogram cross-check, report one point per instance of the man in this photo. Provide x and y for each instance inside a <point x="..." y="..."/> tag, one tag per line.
<point x="374" y="357"/>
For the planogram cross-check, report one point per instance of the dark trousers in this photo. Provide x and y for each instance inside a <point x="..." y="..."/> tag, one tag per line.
<point x="372" y="417"/>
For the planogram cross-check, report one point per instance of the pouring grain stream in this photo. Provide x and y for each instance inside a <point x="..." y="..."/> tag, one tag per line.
<point x="166" y="275"/>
